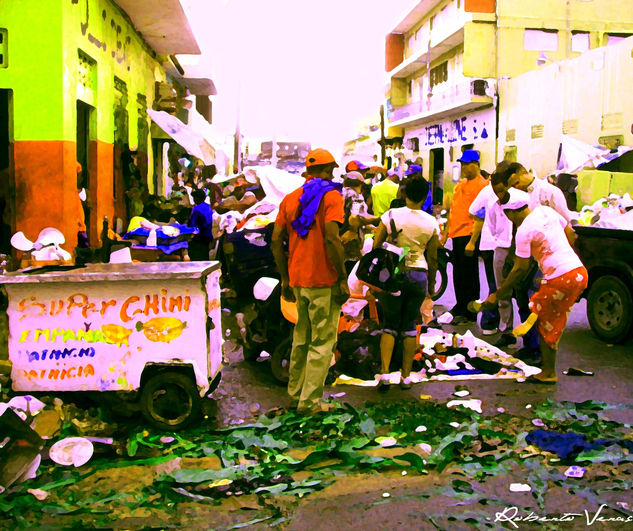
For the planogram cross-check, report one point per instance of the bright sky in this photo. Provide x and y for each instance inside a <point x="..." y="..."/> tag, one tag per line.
<point x="303" y="70"/>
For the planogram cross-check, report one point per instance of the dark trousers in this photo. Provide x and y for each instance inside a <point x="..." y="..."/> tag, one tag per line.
<point x="522" y="295"/>
<point x="465" y="276"/>
<point x="489" y="318"/>
<point x="199" y="250"/>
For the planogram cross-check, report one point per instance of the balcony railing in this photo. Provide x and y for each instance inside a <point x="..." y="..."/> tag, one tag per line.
<point x="443" y="99"/>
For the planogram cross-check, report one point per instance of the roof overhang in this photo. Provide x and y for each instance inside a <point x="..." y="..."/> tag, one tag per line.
<point x="163" y="24"/>
<point x="199" y="86"/>
<point x="415" y="15"/>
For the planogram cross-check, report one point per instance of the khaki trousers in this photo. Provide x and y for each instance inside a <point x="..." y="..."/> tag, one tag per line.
<point x="313" y="344"/>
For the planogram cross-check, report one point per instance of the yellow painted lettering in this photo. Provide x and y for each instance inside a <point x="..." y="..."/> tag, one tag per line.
<point x="24" y="335"/>
<point x="39" y="332"/>
<point x="68" y="335"/>
<point x="187" y="300"/>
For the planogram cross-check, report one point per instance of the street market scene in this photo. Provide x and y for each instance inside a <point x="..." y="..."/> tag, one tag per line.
<point x="311" y="265"/>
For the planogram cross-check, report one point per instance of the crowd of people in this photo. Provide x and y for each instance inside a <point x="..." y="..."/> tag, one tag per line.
<point x="518" y="225"/>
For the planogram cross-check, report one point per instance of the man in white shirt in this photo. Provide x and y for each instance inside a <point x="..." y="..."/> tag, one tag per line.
<point x="540" y="193"/>
<point x="493" y="230"/>
<point x="544" y="235"/>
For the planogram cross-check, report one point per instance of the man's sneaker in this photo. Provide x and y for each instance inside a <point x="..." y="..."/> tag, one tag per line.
<point x="460" y="320"/>
<point x="405" y="383"/>
<point x="505" y="340"/>
<point x="529" y="356"/>
<point x="489" y="331"/>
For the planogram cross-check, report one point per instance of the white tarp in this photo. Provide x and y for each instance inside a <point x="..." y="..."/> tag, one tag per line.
<point x="576" y="155"/>
<point x="194" y="142"/>
<point x="276" y="183"/>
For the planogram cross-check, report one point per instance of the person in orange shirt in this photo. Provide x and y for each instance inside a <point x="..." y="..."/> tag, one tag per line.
<point x="313" y="274"/>
<point x="459" y="228"/>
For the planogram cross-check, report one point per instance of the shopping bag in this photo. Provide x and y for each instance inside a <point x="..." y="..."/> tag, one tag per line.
<point x="380" y="268"/>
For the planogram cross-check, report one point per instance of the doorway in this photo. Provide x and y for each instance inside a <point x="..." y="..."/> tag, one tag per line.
<point x="84" y="116"/>
<point x="437" y="175"/>
<point x="7" y="186"/>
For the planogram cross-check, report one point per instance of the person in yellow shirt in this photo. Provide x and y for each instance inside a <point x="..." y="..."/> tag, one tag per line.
<point x="459" y="228"/>
<point x="383" y="193"/>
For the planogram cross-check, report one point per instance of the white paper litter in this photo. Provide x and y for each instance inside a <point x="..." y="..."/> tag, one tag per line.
<point x="473" y="404"/>
<point x="445" y="318"/>
<point x="520" y="487"/>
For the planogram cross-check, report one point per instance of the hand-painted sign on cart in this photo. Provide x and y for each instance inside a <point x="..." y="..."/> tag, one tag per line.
<point x="113" y="327"/>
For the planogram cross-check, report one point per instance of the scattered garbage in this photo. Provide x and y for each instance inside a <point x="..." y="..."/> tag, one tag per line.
<point x="462" y="393"/>
<point x="473" y="404"/>
<point x="426" y="448"/>
<point x="445" y="318"/>
<point x="538" y="422"/>
<point x="386" y="495"/>
<point x="520" y="487"/>
<point x="75" y="451"/>
<point x="19" y="450"/>
<point x="39" y="494"/>
<point x="386" y="442"/>
<point x="575" y="471"/>
<point x="420" y="429"/>
<point x="573" y="371"/>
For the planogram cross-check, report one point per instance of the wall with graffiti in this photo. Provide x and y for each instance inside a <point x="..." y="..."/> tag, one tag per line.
<point x="100" y="336"/>
<point x="445" y="139"/>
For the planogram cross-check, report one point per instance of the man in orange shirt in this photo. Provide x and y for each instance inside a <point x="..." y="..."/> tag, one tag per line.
<point x="314" y="275"/>
<point x="459" y="228"/>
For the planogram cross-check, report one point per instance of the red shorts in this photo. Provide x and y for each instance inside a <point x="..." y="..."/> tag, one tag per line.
<point x="553" y="301"/>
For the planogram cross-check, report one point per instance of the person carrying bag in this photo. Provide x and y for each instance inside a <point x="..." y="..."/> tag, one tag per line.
<point x="406" y="289"/>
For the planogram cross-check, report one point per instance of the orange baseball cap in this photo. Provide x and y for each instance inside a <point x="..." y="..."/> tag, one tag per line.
<point x="320" y="156"/>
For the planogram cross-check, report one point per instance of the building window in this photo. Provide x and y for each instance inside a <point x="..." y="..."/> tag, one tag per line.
<point x="540" y="40"/>
<point x="4" y="50"/>
<point x="439" y="74"/>
<point x="614" y="38"/>
<point x="580" y="41"/>
<point x="413" y="144"/>
<point x="411" y="42"/>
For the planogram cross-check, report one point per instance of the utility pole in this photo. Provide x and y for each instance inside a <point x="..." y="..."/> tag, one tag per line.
<point x="237" y="144"/>
<point x="383" y="151"/>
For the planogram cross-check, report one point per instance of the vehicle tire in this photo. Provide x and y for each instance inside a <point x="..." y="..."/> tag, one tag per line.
<point x="610" y="309"/>
<point x="441" y="281"/>
<point x="170" y="400"/>
<point x="280" y="361"/>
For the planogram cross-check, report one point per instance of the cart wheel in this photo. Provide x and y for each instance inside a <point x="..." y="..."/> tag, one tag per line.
<point x="610" y="309"/>
<point x="170" y="401"/>
<point x="280" y="361"/>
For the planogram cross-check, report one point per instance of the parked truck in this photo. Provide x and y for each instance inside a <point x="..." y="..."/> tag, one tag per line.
<point x="608" y="256"/>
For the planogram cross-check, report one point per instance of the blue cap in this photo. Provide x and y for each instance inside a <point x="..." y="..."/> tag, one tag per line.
<point x="470" y="155"/>
<point x="413" y="168"/>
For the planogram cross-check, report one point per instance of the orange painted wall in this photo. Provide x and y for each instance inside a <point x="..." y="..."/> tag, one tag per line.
<point x="46" y="188"/>
<point x="480" y="6"/>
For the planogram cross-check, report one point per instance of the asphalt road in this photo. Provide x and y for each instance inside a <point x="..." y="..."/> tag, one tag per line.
<point x="248" y="388"/>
